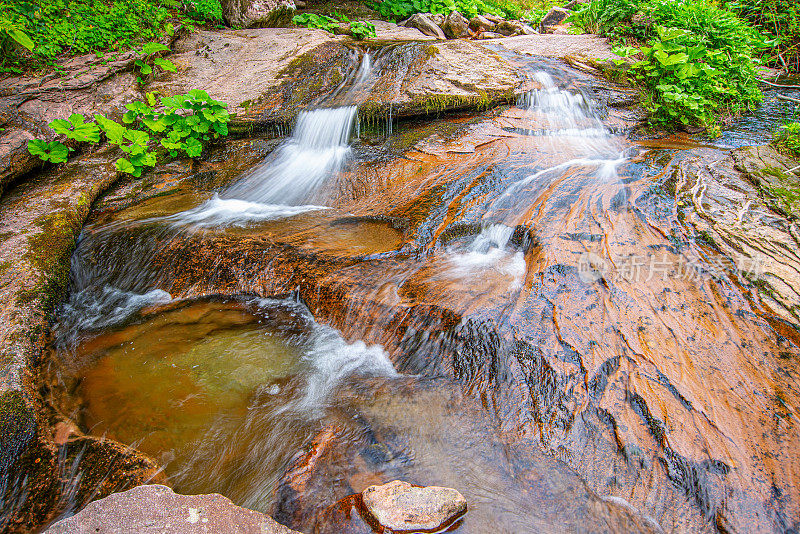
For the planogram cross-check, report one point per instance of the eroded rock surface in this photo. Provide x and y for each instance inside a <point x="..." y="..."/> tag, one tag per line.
<point x="250" y="13"/>
<point x="157" y="509"/>
<point x="400" y="506"/>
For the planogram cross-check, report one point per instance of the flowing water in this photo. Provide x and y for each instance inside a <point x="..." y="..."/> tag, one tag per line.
<point x="520" y="306"/>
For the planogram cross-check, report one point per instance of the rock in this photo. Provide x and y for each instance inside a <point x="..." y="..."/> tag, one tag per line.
<point x="437" y="18"/>
<point x="554" y="17"/>
<point x="157" y="509"/>
<point x="490" y="35"/>
<point x="481" y="24"/>
<point x="528" y="30"/>
<point x="424" y="24"/>
<point x="394" y="32"/>
<point x="257" y="13"/>
<point x="590" y="48"/>
<point x="493" y="18"/>
<point x="399" y="506"/>
<point x="510" y="27"/>
<point x="575" y="4"/>
<point x="455" y="25"/>
<point x="299" y="4"/>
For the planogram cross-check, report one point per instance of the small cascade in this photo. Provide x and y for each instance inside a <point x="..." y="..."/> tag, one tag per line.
<point x="556" y="112"/>
<point x="490" y="250"/>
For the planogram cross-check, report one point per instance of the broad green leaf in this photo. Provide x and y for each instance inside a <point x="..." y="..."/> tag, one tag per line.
<point x="53" y="151"/>
<point x="165" y="64"/>
<point x="152" y="48"/>
<point x="21" y="37"/>
<point x="123" y="165"/>
<point x="193" y="147"/>
<point x="113" y="130"/>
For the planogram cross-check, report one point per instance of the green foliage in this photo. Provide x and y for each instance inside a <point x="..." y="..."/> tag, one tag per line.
<point x="204" y="10"/>
<point x="53" y="151"/>
<point x="145" y="66"/>
<point x="56" y="27"/>
<point x="359" y="30"/>
<point x="780" y="20"/>
<point x="182" y="123"/>
<point x="788" y="138"/>
<point x="319" y="22"/>
<point x="10" y="35"/>
<point x="697" y="65"/>
<point x="362" y="30"/>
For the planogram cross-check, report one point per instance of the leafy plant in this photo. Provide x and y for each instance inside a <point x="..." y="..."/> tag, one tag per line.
<point x="53" y="151"/>
<point x="145" y="66"/>
<point x="181" y="123"/>
<point x="312" y="20"/>
<point x="780" y="20"/>
<point x="362" y="30"/>
<point x="698" y="62"/>
<point x="788" y="138"/>
<point x="204" y="10"/>
<point x="55" y="27"/>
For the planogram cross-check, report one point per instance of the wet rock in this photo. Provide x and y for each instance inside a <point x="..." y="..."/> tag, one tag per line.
<point x="553" y="18"/>
<point x="40" y="221"/>
<point x="481" y="24"/>
<point x="424" y="24"/>
<point x="575" y="4"/>
<point x="257" y="13"/>
<point x="395" y="32"/>
<point x="455" y="26"/>
<point x="509" y="27"/>
<point x="399" y="506"/>
<point x="155" y="508"/>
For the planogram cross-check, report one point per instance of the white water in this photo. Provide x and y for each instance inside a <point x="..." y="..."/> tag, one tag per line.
<point x="490" y="250"/>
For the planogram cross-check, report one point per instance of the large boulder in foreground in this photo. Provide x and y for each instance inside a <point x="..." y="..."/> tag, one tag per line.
<point x="154" y="508"/>
<point x="256" y="13"/>
<point x="400" y="506"/>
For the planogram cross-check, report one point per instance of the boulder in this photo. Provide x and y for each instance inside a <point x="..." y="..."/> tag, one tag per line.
<point x="575" y="4"/>
<point x="493" y="18"/>
<point x="455" y="26"/>
<point x="400" y="506"/>
<point x="257" y="13"/>
<point x="155" y="508"/>
<point x="553" y="18"/>
<point x="510" y="27"/>
<point x="481" y="24"/>
<point x="423" y="23"/>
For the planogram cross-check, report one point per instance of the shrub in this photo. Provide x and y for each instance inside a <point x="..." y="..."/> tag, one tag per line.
<point x="204" y="10"/>
<point x="780" y="19"/>
<point x="788" y="138"/>
<point x="359" y="29"/>
<point x="697" y="65"/>
<point x="56" y="27"/>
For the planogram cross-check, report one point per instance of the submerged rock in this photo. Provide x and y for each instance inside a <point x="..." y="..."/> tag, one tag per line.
<point x="155" y="508"/>
<point x="423" y="23"/>
<point x="399" y="506"/>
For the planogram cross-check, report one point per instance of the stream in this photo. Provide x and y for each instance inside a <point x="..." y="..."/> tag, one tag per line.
<point x="516" y="303"/>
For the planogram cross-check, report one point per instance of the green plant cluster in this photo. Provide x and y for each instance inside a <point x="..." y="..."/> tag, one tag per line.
<point x="56" y="27"/>
<point x="181" y="123"/>
<point x="780" y="20"/>
<point x="144" y="66"/>
<point x="697" y="64"/>
<point x="358" y="29"/>
<point x="788" y="138"/>
<point x="204" y="10"/>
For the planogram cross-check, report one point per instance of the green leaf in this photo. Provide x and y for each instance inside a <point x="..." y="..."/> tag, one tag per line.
<point x="113" y="130"/>
<point x="76" y="128"/>
<point x="152" y="48"/>
<point x="21" y="37"/>
<point x="123" y="165"/>
<point x="165" y="64"/>
<point x="193" y="147"/>
<point x="53" y="151"/>
<point x="145" y="69"/>
<point x="151" y="99"/>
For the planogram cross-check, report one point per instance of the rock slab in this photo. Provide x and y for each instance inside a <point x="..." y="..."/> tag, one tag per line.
<point x="155" y="508"/>
<point x="402" y="507"/>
